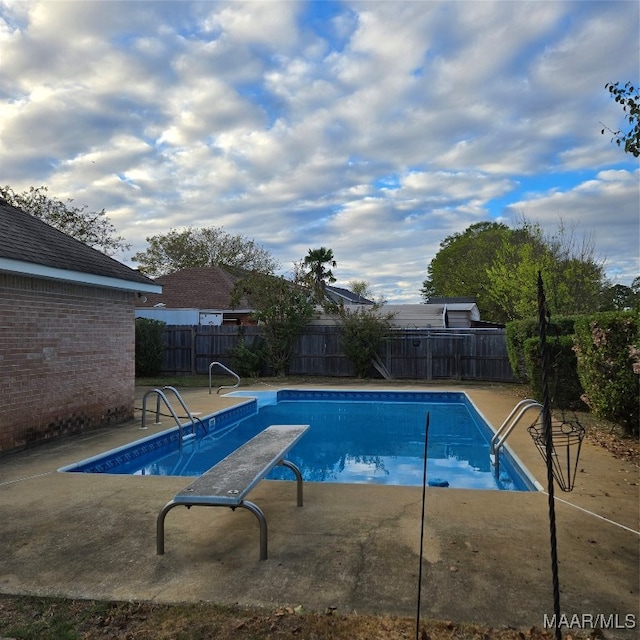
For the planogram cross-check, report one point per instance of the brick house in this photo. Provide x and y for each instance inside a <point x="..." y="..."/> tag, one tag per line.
<point x="197" y="296"/>
<point x="67" y="333"/>
<point x="202" y="296"/>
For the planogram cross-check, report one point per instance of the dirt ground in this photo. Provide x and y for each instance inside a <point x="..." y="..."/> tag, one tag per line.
<point x="29" y="618"/>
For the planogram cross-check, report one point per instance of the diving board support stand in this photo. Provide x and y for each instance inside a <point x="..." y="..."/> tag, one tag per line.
<point x="228" y="482"/>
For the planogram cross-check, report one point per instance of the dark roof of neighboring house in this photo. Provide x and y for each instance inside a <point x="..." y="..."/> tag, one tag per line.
<point x="459" y="300"/>
<point x="338" y="293"/>
<point x="26" y="239"/>
<point x="197" y="288"/>
<point x="211" y="287"/>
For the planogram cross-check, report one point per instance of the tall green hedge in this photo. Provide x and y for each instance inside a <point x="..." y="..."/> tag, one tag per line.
<point x="149" y="346"/>
<point x="565" y="389"/>
<point x="608" y="355"/>
<point x="519" y="331"/>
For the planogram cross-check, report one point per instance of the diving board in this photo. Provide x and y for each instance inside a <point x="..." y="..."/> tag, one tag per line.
<point x="228" y="482"/>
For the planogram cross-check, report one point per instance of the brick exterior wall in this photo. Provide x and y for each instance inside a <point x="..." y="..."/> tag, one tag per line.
<point x="67" y="359"/>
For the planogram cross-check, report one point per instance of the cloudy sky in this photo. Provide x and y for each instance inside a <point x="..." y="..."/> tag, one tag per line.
<point x="374" y="128"/>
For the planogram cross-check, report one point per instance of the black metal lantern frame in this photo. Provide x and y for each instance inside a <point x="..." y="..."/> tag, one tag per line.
<point x="566" y="442"/>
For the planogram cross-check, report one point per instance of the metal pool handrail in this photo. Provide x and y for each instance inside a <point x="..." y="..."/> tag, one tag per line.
<point x="184" y="406"/>
<point x="507" y="427"/>
<point x="224" y="386"/>
<point x="161" y="396"/>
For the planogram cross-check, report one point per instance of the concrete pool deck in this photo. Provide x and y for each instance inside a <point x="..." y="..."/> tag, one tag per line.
<point x="353" y="547"/>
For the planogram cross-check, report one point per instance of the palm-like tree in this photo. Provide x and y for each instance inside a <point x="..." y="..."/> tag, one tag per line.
<point x="319" y="275"/>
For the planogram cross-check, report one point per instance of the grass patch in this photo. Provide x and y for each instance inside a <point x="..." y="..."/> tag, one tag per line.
<point x="202" y="381"/>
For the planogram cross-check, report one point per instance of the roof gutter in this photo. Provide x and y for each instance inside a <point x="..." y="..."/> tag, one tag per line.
<point x="79" y="277"/>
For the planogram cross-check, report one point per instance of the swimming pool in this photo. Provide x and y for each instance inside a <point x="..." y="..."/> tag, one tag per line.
<point x="374" y="437"/>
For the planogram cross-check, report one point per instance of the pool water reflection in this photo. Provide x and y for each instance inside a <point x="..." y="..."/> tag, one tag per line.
<point x="355" y="437"/>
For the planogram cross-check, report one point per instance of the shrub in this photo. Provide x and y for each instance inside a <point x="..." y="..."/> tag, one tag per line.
<point x="607" y="348"/>
<point x="519" y="331"/>
<point x="149" y="346"/>
<point x="362" y="331"/>
<point x="283" y="308"/>
<point x="565" y="390"/>
<point x="248" y="360"/>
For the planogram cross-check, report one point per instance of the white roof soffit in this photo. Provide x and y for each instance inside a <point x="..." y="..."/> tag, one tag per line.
<point x="79" y="277"/>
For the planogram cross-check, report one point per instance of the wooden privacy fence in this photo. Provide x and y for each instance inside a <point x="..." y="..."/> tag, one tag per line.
<point x="410" y="354"/>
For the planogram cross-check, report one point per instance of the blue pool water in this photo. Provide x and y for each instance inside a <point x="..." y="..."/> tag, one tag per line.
<point x="355" y="437"/>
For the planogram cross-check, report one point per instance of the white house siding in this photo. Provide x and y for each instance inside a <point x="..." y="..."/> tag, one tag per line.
<point x="171" y="316"/>
<point x="420" y="316"/>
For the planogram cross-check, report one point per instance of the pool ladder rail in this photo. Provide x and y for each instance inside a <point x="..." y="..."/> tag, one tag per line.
<point x="160" y="395"/>
<point x="500" y="436"/>
<point x="224" y="386"/>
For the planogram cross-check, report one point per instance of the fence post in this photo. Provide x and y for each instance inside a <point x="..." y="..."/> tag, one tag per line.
<point x="193" y="349"/>
<point x="484" y="351"/>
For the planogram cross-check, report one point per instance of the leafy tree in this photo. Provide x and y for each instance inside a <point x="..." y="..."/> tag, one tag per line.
<point x="629" y="97"/>
<point x="318" y="275"/>
<point x="360" y="288"/>
<point x="619" y="297"/>
<point x="460" y="266"/>
<point x="93" y="228"/>
<point x="499" y="266"/>
<point x="362" y="331"/>
<point x="513" y="276"/>
<point x="282" y="307"/>
<point x="206" y="247"/>
<point x="572" y="276"/>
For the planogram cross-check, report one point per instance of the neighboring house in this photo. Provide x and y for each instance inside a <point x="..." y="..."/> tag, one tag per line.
<point x="453" y="315"/>
<point x="195" y="296"/>
<point x="443" y="314"/>
<point x="344" y="296"/>
<point x="67" y="347"/>
<point x="459" y="313"/>
<point x="202" y="296"/>
<point x="438" y="313"/>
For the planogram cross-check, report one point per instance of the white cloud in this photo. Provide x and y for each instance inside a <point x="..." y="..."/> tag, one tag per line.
<point x="606" y="208"/>
<point x="378" y="131"/>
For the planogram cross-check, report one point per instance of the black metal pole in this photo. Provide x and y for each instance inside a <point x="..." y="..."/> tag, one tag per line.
<point x="548" y="437"/>
<point x="424" y="495"/>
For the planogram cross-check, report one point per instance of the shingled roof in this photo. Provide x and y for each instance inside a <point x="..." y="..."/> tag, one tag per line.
<point x="197" y="288"/>
<point x="30" y="246"/>
<point x="339" y="294"/>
